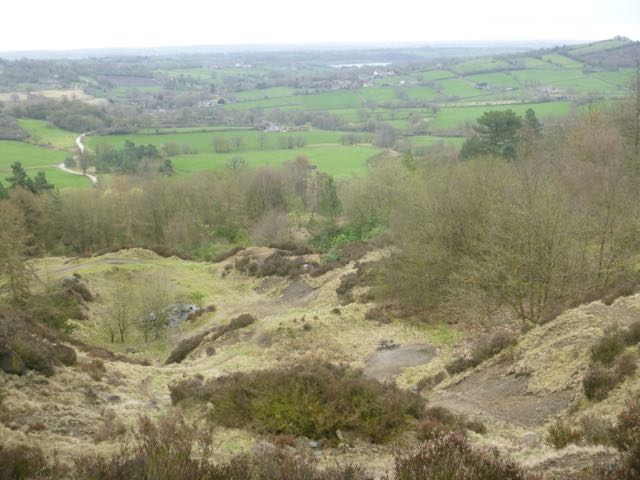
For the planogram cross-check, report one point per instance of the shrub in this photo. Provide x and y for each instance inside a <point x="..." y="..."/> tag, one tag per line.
<point x="487" y="347"/>
<point x="184" y="389"/>
<point x="430" y="429"/>
<point x="626" y="365"/>
<point x="484" y="349"/>
<point x="427" y="383"/>
<point x="626" y="437"/>
<point x="241" y="321"/>
<point x="452" y="457"/>
<point x="607" y="348"/>
<point x="312" y="400"/>
<point x="559" y="435"/>
<point x="110" y="428"/>
<point x="596" y="430"/>
<point x="454" y="421"/>
<point x="184" y="348"/>
<point x="459" y="365"/>
<point x="94" y="368"/>
<point x="21" y="462"/>
<point x="221" y="257"/>
<point x="632" y="334"/>
<point x="598" y="382"/>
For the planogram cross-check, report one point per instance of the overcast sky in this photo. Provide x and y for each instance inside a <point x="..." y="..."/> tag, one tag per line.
<point x="71" y="24"/>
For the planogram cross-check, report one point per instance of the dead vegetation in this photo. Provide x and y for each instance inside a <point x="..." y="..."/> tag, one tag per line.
<point x="185" y="347"/>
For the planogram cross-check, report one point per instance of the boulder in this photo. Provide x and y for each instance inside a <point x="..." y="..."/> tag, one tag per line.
<point x="10" y="362"/>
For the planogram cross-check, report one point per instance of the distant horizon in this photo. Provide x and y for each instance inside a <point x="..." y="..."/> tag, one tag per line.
<point x="301" y="46"/>
<point x="72" y="25"/>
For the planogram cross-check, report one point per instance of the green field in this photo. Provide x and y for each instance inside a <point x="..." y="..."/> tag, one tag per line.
<point x="275" y="92"/>
<point x="203" y="141"/>
<point x="28" y="155"/>
<point x="42" y="133"/>
<point x="456" y="117"/>
<point x="480" y="65"/>
<point x="339" y="161"/>
<point x="34" y="158"/>
<point x="498" y="79"/>
<point x="457" y="87"/>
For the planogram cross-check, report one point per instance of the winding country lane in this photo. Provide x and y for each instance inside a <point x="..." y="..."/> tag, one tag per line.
<point x="81" y="147"/>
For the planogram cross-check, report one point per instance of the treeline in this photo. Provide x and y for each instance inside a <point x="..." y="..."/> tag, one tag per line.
<point x="76" y="116"/>
<point x="538" y="227"/>
<point x="189" y="215"/>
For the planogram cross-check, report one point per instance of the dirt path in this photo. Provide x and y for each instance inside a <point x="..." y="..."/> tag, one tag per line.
<point x="81" y="147"/>
<point x="107" y="261"/>
<point x="495" y="395"/>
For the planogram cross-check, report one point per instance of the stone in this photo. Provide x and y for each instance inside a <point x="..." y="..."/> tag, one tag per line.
<point x="314" y="444"/>
<point x="10" y="362"/>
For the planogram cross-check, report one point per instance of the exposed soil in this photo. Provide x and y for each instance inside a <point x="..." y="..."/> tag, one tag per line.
<point x="298" y="293"/>
<point x="501" y="396"/>
<point x="386" y="363"/>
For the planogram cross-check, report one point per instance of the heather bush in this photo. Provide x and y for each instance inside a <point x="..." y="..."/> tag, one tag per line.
<point x="452" y="457"/>
<point x="310" y="399"/>
<point x="607" y="348"/>
<point x="598" y="382"/>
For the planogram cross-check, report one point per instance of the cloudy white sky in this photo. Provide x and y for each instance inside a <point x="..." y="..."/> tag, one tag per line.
<point x="71" y="24"/>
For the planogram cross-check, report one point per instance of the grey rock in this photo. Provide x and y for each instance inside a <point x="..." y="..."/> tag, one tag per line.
<point x="10" y="362"/>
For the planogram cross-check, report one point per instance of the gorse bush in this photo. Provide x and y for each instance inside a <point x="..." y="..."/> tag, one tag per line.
<point x="312" y="400"/>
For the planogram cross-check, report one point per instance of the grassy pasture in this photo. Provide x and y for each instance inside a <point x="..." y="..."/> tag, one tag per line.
<point x="421" y="93"/>
<point x="479" y="65"/>
<point x="203" y="141"/>
<point x="42" y="132"/>
<point x="556" y="59"/>
<point x="430" y="75"/>
<point x="261" y="94"/>
<point x="460" y="88"/>
<point x="453" y="117"/>
<point x="27" y="154"/>
<point x="498" y="79"/>
<point x="266" y="103"/>
<point x="378" y="94"/>
<point x="337" y="160"/>
<point x="332" y="100"/>
<point x="34" y="159"/>
<point x="597" y="47"/>
<point x="547" y="76"/>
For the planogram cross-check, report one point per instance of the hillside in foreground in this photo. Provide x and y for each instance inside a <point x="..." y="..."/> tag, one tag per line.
<point x="92" y="404"/>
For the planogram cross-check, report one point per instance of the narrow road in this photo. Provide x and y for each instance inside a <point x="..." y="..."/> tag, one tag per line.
<point x="81" y="147"/>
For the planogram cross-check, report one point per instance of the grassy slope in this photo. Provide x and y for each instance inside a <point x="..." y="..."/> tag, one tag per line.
<point x="41" y="132"/>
